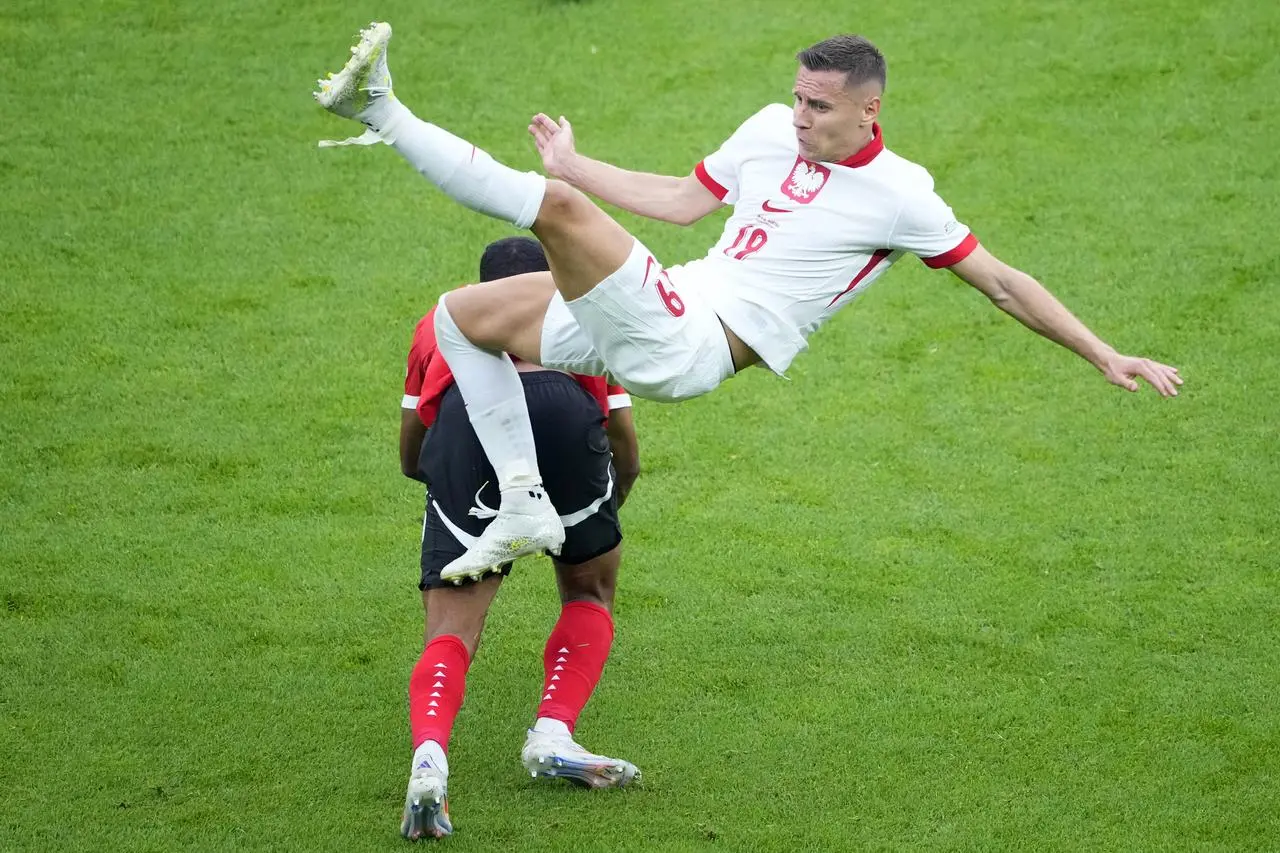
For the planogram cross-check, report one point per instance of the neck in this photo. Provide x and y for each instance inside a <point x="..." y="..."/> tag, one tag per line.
<point x="866" y="133"/>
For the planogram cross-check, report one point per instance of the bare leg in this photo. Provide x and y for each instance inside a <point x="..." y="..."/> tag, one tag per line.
<point x="584" y="244"/>
<point x="460" y="611"/>
<point x="593" y="581"/>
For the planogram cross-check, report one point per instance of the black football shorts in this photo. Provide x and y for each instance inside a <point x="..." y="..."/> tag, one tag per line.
<point x="573" y="455"/>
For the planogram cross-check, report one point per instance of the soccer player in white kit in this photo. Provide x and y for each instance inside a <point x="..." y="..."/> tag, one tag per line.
<point x="820" y="210"/>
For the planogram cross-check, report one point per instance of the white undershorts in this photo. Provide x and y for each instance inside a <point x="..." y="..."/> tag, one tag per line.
<point x="634" y="327"/>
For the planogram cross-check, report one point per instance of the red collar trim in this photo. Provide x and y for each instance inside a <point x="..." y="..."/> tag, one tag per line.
<point x="868" y="152"/>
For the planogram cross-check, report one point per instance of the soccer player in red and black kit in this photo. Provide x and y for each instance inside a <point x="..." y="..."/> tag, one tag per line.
<point x="580" y="424"/>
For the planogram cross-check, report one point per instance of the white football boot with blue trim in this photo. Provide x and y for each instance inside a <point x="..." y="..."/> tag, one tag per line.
<point x="557" y="756"/>
<point x="426" y="804"/>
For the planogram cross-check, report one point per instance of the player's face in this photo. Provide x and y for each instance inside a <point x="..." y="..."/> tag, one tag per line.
<point x="832" y="120"/>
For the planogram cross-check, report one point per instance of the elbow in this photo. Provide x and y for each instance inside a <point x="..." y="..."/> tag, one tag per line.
<point x="409" y="468"/>
<point x="627" y="476"/>
<point x="684" y="213"/>
<point x="1001" y="291"/>
<point x="1000" y="298"/>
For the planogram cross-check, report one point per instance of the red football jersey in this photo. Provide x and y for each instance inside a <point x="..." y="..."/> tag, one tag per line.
<point x="428" y="377"/>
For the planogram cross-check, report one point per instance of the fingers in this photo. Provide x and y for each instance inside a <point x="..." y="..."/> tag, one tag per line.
<point x="1169" y="371"/>
<point x="1160" y="376"/>
<point x="1164" y="378"/>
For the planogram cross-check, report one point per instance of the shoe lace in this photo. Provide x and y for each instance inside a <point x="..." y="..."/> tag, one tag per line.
<point x="480" y="510"/>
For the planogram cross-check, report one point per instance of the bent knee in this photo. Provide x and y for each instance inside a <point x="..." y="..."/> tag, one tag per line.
<point x="562" y="204"/>
<point x="502" y="315"/>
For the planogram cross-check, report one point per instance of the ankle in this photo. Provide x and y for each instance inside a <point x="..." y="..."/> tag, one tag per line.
<point x="431" y="753"/>
<point x="531" y="497"/>
<point x="551" y="726"/>
<point x="385" y="114"/>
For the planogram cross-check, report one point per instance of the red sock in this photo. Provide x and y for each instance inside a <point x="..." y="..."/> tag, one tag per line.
<point x="435" y="690"/>
<point x="573" y="660"/>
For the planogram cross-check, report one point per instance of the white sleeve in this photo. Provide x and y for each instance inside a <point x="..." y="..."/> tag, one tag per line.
<point x="719" y="172"/>
<point x="409" y="402"/>
<point x="619" y="401"/>
<point x="926" y="227"/>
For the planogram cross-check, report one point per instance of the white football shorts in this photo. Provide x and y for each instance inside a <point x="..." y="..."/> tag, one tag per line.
<point x="634" y="327"/>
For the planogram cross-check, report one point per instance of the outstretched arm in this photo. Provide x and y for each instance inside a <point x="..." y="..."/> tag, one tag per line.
<point x="1028" y="302"/>
<point x="679" y="200"/>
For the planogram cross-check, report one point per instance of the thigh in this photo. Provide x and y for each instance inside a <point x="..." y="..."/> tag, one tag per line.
<point x="462" y="488"/>
<point x="584" y="244"/>
<point x="504" y="315"/>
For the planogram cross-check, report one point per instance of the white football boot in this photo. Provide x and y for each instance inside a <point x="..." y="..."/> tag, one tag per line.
<point x="557" y="756"/>
<point x="525" y="523"/>
<point x="426" y="804"/>
<point x="362" y="89"/>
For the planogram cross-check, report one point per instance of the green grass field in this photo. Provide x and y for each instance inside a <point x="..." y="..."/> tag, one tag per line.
<point x="944" y="590"/>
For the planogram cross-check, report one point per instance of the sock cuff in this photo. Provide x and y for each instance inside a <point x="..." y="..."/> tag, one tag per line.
<point x="537" y="191"/>
<point x="451" y="640"/>
<point x="443" y="319"/>
<point x="588" y="607"/>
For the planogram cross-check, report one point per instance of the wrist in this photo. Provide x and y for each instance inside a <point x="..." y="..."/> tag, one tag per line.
<point x="571" y="170"/>
<point x="1100" y="356"/>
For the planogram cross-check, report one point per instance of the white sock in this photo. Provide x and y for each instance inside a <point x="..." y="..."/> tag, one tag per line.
<point x="432" y="752"/>
<point x="494" y="394"/>
<point x="548" y="726"/>
<point x="465" y="173"/>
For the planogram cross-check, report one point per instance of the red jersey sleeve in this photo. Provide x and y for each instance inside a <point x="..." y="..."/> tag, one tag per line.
<point x="416" y="370"/>
<point x="427" y="376"/>
<point x="617" y="397"/>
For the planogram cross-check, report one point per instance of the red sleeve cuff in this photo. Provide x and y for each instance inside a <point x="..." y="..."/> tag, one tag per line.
<point x="955" y="256"/>
<point x="709" y="182"/>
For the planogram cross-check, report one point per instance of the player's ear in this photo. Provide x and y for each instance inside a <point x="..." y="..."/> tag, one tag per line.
<point x="872" y="109"/>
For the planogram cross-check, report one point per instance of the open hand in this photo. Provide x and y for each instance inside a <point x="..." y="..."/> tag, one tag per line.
<point x="555" y="143"/>
<point x="1125" y="370"/>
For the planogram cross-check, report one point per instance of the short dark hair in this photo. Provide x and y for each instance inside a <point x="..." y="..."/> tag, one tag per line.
<point x="858" y="58"/>
<point x="512" y="256"/>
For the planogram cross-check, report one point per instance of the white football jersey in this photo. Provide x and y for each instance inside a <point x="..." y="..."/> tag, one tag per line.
<point x="806" y="238"/>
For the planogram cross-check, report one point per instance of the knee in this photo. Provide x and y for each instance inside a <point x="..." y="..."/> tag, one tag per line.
<point x="562" y="204"/>
<point x="500" y="315"/>
<point x="476" y="314"/>
<point x="599" y="595"/>
<point x="593" y="582"/>
<point x="466" y="630"/>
